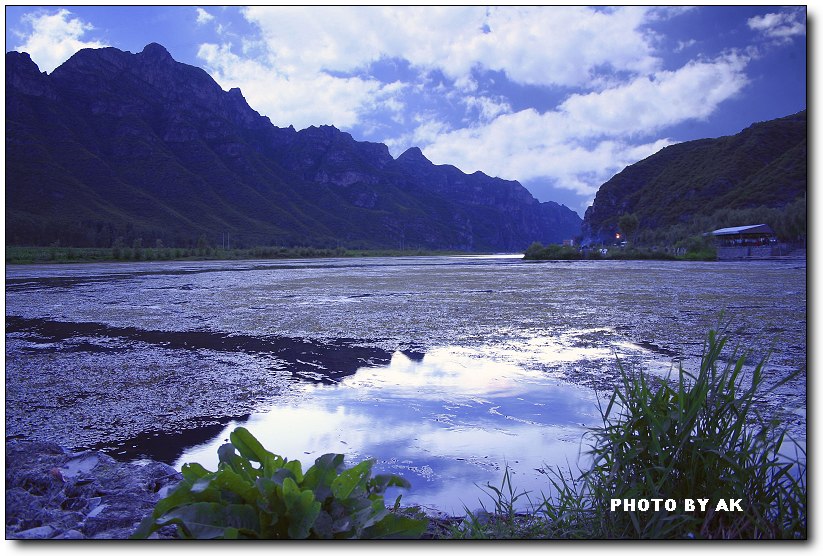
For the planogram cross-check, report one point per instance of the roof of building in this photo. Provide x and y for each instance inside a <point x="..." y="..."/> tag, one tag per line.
<point x="753" y="229"/>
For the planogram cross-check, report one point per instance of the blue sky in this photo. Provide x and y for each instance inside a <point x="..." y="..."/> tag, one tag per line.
<point x="559" y="98"/>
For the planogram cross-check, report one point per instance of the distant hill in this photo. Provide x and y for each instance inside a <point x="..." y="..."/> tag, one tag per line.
<point x="763" y="166"/>
<point x="138" y="146"/>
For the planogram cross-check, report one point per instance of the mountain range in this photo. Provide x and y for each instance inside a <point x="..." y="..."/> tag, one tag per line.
<point x="115" y="146"/>
<point x="763" y="166"/>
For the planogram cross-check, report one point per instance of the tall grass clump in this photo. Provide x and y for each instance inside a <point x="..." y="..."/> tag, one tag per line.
<point x="701" y="437"/>
<point x="501" y="520"/>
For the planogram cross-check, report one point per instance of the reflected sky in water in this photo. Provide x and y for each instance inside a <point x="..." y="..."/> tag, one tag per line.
<point x="447" y="423"/>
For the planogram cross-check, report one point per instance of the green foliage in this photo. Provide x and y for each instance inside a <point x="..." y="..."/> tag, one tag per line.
<point x="628" y="224"/>
<point x="118" y="252"/>
<point x="552" y="252"/>
<point x="637" y="254"/>
<point x="702" y="436"/>
<point x="789" y="223"/>
<point x="255" y="494"/>
<point x="502" y="520"/>
<point x="698" y="248"/>
<point x="752" y="177"/>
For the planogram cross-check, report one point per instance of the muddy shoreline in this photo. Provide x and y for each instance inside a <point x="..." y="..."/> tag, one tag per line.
<point x="144" y="360"/>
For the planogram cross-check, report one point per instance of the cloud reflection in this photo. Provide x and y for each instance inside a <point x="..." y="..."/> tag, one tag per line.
<point x="449" y="422"/>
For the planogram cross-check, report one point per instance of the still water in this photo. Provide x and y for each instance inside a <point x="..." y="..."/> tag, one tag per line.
<point x="446" y="423"/>
<point x="445" y="370"/>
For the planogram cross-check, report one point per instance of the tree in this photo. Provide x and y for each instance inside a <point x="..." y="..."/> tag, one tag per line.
<point x="628" y="224"/>
<point x="117" y="247"/>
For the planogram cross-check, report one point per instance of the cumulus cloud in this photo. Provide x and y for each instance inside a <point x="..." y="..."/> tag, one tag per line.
<point x="780" y="26"/>
<point x="649" y="103"/>
<point x="55" y="37"/>
<point x="427" y="129"/>
<point x="589" y="136"/>
<point x="486" y="108"/>
<point x="528" y="145"/>
<point x="301" y="99"/>
<point x="683" y="45"/>
<point x="311" y="64"/>
<point x="203" y="16"/>
<point x="561" y="45"/>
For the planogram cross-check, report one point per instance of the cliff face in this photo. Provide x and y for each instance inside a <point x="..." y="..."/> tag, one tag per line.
<point x="763" y="165"/>
<point x="114" y="144"/>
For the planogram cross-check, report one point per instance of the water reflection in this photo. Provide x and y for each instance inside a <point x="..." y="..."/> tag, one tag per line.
<point x="447" y="422"/>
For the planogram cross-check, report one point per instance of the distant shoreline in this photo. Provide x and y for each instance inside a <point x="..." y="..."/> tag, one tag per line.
<point x="20" y="255"/>
<point x="17" y="255"/>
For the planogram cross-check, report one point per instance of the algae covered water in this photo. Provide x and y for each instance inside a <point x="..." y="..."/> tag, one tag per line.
<point x="444" y="369"/>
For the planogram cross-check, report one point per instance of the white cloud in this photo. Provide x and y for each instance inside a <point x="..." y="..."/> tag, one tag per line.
<point x="55" y="37"/>
<point x="649" y="103"/>
<point x="558" y="45"/>
<point x="301" y="100"/>
<point x="528" y="145"/>
<point x="589" y="137"/>
<point x="487" y="108"/>
<point x="780" y="26"/>
<point x="309" y="64"/>
<point x="566" y="46"/>
<point x="428" y="129"/>
<point x="203" y="16"/>
<point x="683" y="45"/>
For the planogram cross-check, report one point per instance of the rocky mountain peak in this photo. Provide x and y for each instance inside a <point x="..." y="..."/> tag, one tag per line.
<point x="21" y="62"/>
<point x="413" y="154"/>
<point x="23" y="74"/>
<point x="156" y="53"/>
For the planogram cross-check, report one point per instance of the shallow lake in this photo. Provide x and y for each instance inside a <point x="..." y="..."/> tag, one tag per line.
<point x="444" y="369"/>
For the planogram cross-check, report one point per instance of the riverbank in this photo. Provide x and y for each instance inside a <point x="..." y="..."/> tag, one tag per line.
<point x="54" y="254"/>
<point x="53" y="493"/>
<point x="128" y="355"/>
<point x="702" y="443"/>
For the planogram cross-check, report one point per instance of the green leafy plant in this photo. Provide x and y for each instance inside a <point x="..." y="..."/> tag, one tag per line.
<point x="255" y="494"/>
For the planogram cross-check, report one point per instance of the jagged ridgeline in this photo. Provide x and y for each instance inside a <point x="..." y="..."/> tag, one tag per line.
<point x="757" y="176"/>
<point x="140" y="147"/>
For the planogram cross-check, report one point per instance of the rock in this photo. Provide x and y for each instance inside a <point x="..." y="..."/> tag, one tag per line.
<point x="83" y="463"/>
<point x="71" y="534"/>
<point x="43" y="532"/>
<point x="90" y="496"/>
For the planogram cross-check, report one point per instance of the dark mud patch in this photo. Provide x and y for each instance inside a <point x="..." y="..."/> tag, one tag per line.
<point x="166" y="446"/>
<point x="147" y="393"/>
<point x="339" y="357"/>
<point x="657" y="349"/>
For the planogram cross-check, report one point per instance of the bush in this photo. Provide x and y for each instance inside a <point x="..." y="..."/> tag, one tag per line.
<point x="698" y="248"/>
<point x="276" y="500"/>
<point x="537" y="252"/>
